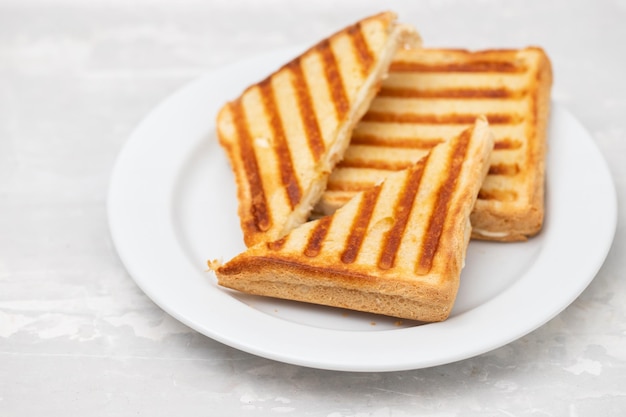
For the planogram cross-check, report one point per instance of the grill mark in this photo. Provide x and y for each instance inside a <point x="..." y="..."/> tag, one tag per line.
<point x="307" y="111"/>
<point x="316" y="239"/>
<point x="258" y="209"/>
<point x="387" y="142"/>
<point x="458" y="93"/>
<point x="440" y="210"/>
<point x="449" y="118"/>
<point x="403" y="209"/>
<point x="277" y="244"/>
<point x="375" y="164"/>
<point x="420" y="143"/>
<point x="471" y="66"/>
<point x="506" y="144"/>
<point x="287" y="172"/>
<point x="361" y="48"/>
<point x="508" y="170"/>
<point x="359" y="226"/>
<point x="333" y="77"/>
<point x="498" y="195"/>
<point x="348" y="186"/>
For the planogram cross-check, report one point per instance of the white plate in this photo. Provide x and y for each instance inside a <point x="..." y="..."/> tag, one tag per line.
<point x="172" y="205"/>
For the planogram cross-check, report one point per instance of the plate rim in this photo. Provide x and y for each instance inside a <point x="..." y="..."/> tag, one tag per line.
<point x="121" y="216"/>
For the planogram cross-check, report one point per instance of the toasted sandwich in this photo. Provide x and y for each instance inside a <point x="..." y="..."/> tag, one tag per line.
<point x="433" y="94"/>
<point x="396" y="249"/>
<point x="284" y="135"/>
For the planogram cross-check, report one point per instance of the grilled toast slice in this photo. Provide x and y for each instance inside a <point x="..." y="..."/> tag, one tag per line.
<point x="284" y="135"/>
<point x="433" y="94"/>
<point x="396" y="249"/>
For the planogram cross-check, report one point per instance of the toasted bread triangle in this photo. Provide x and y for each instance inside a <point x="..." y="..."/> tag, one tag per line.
<point x="284" y="135"/>
<point x="396" y="249"/>
<point x="433" y="94"/>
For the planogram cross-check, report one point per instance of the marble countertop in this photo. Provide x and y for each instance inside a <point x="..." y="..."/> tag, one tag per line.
<point x="78" y="337"/>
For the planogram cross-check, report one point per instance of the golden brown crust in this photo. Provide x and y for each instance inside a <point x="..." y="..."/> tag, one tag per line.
<point x="396" y="249"/>
<point x="360" y="293"/>
<point x="284" y="134"/>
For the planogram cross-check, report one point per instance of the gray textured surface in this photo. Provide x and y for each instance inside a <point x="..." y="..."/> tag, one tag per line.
<point x="77" y="337"/>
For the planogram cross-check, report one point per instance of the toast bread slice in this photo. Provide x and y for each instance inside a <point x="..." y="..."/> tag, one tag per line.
<point x="396" y="249"/>
<point x="284" y="135"/>
<point x="433" y="94"/>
